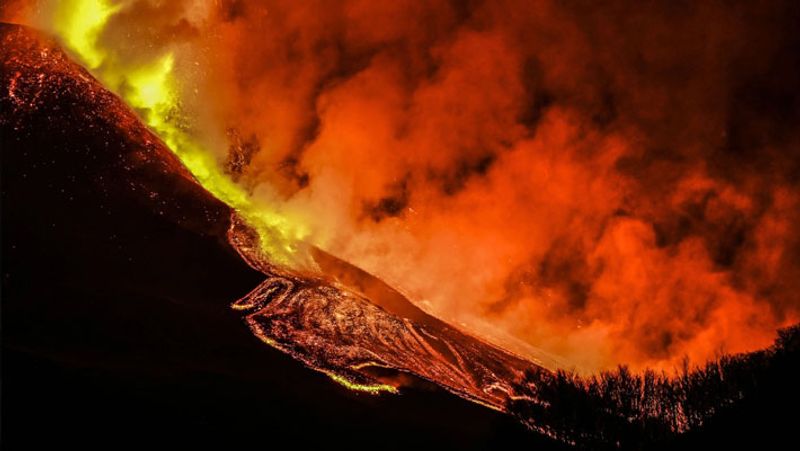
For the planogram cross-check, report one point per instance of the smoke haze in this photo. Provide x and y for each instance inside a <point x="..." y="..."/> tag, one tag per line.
<point x="614" y="182"/>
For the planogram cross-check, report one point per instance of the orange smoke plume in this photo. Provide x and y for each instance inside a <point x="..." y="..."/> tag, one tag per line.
<point x="609" y="184"/>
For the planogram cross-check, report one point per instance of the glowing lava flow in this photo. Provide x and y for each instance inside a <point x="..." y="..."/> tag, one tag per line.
<point x="356" y="341"/>
<point x="153" y="90"/>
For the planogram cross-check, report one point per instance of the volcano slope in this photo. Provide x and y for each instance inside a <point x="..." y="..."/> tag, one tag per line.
<point x="117" y="282"/>
<point x="118" y="275"/>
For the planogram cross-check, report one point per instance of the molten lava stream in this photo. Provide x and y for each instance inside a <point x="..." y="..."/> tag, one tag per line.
<point x="336" y="330"/>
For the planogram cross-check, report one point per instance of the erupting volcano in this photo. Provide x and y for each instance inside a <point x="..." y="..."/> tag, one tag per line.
<point x="583" y="216"/>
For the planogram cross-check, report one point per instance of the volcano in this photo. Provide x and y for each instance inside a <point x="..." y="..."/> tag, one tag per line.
<point x="118" y="280"/>
<point x="318" y="320"/>
<point x="137" y="306"/>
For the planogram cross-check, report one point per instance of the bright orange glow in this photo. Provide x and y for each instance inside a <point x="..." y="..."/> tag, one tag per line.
<point x="603" y="187"/>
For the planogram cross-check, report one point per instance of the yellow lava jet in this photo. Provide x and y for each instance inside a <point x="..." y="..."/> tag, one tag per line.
<point x="152" y="89"/>
<point x="79" y="23"/>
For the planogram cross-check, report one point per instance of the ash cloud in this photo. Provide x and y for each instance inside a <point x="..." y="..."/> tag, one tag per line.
<point x="612" y="182"/>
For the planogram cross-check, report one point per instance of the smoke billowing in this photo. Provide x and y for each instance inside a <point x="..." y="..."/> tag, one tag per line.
<point x="611" y="183"/>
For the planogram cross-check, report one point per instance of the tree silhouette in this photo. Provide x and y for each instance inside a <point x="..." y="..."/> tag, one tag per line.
<point x="622" y="409"/>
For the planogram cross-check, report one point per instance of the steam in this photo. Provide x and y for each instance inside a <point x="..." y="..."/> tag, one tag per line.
<point x="612" y="184"/>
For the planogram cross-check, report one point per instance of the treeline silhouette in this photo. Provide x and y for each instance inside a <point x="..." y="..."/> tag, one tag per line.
<point x="622" y="409"/>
